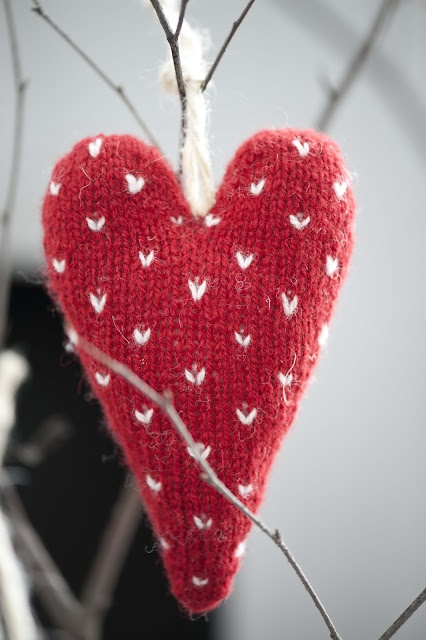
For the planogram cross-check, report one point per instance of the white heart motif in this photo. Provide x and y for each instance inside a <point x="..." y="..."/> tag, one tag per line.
<point x="146" y="260"/>
<point x="303" y="149"/>
<point x="95" y="147"/>
<point x="244" y="261"/>
<point x="58" y="265"/>
<point x="199" y="582"/>
<point x="255" y="189"/>
<point x="54" y="188"/>
<point x="201" y="449"/>
<point x="243" y="340"/>
<point x="211" y="221"/>
<point x="298" y="222"/>
<point x="203" y="522"/>
<point x="197" y="290"/>
<point x="246" y="419"/>
<point x="153" y="484"/>
<point x="331" y="266"/>
<point x="340" y="189"/>
<point x="245" y="490"/>
<point x="134" y="184"/>
<point x="98" y="302"/>
<point x="289" y="306"/>
<point x="144" y="417"/>
<point x="195" y="377"/>
<point x="102" y="379"/>
<point x="95" y="225"/>
<point x="141" y="337"/>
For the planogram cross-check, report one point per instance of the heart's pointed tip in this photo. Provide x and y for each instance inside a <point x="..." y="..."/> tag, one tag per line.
<point x="198" y="597"/>
<point x="202" y="575"/>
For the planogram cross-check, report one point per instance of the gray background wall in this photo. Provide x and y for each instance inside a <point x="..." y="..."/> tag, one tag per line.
<point x="347" y="490"/>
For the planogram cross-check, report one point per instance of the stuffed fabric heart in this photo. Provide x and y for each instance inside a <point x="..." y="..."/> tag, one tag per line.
<point x="229" y="312"/>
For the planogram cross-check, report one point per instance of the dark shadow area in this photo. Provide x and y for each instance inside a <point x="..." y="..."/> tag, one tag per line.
<point x="69" y="493"/>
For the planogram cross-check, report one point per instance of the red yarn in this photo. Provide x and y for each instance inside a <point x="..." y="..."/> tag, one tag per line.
<point x="227" y="312"/>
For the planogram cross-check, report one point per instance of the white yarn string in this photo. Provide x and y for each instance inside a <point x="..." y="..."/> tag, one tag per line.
<point x="197" y="177"/>
<point x="14" y="601"/>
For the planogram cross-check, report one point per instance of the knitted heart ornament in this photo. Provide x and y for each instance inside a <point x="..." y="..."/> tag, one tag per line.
<point x="229" y="312"/>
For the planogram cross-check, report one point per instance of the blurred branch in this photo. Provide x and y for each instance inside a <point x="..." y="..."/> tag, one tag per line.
<point x="14" y="596"/>
<point x="164" y="402"/>
<point x="337" y="94"/>
<point x="55" y="595"/>
<point x="110" y="557"/>
<point x="47" y="438"/>
<point x="13" y="371"/>
<point x="399" y="622"/>
<point x="83" y="619"/>
<point x="15" y="609"/>
<point x="38" y="9"/>
<point x="6" y="213"/>
<point x="225" y="45"/>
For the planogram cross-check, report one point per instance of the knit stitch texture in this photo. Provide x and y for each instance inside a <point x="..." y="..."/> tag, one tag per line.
<point x="229" y="312"/>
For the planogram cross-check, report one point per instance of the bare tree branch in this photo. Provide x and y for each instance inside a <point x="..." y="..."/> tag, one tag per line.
<point x="38" y="9"/>
<point x="164" y="402"/>
<point x="399" y="622"/>
<point x="55" y="595"/>
<point x="336" y="95"/>
<point x="5" y="215"/>
<point x="225" y="45"/>
<point x="172" y="39"/>
<point x="182" y="11"/>
<point x="110" y="557"/>
<point x="15" y="609"/>
<point x="83" y="620"/>
<point x="46" y="439"/>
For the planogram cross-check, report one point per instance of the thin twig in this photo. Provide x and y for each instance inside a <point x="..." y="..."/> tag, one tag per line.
<point x="181" y="18"/>
<point x="5" y="216"/>
<point x="164" y="402"/>
<point x="38" y="9"/>
<point x="225" y="45"/>
<point x="109" y="560"/>
<point x="54" y="593"/>
<point x="399" y="622"/>
<point x="336" y="95"/>
<point x="172" y="39"/>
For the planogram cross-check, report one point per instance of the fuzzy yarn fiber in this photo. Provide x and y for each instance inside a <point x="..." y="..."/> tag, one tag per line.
<point x="229" y="312"/>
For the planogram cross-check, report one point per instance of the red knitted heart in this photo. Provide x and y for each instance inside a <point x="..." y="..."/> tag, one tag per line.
<point x="229" y="312"/>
